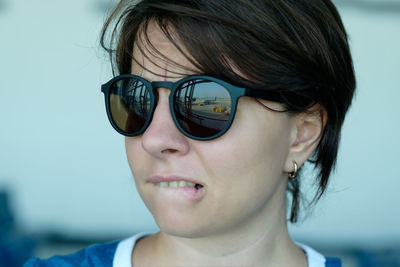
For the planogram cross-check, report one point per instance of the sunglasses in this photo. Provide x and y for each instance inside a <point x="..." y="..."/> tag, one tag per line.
<point x="202" y="107"/>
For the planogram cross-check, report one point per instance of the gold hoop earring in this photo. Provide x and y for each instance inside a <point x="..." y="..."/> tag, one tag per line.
<point x="292" y="174"/>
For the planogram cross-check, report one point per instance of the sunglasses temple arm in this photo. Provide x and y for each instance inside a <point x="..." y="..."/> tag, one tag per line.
<point x="265" y="94"/>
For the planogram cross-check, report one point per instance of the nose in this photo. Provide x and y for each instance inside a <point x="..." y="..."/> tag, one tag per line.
<point x="162" y="137"/>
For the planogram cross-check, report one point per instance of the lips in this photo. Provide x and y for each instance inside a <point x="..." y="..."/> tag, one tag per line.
<point x="176" y="187"/>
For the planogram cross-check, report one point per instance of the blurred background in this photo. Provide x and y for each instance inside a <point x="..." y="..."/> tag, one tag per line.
<point x="64" y="178"/>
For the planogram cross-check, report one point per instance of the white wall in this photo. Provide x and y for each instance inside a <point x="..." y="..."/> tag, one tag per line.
<point x="67" y="169"/>
<point x="58" y="153"/>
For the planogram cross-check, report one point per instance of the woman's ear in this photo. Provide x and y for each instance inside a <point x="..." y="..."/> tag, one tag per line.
<point x="308" y="128"/>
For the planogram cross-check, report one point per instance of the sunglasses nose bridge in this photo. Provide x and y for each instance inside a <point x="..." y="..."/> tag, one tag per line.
<point x="156" y="85"/>
<point x="161" y="84"/>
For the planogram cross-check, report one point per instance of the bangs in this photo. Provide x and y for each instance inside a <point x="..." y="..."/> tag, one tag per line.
<point x="146" y="48"/>
<point x="215" y="46"/>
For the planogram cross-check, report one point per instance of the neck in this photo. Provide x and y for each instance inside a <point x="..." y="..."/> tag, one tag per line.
<point x="253" y="243"/>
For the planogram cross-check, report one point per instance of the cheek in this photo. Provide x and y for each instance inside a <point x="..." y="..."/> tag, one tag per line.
<point x="135" y="155"/>
<point x="248" y="164"/>
<point x="252" y="147"/>
<point x="140" y="164"/>
<point x="130" y="150"/>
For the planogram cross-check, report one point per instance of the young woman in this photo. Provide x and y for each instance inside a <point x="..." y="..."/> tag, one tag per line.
<point x="222" y="102"/>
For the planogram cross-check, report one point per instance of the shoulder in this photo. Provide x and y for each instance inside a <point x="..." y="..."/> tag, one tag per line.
<point x="95" y="255"/>
<point x="333" y="262"/>
<point x="117" y="253"/>
<point x="316" y="259"/>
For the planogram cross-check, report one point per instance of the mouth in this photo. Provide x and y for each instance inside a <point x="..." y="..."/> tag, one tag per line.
<point x="179" y="184"/>
<point x="174" y="187"/>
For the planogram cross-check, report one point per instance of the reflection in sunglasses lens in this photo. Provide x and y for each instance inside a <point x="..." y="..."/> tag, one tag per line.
<point x="129" y="104"/>
<point x="202" y="107"/>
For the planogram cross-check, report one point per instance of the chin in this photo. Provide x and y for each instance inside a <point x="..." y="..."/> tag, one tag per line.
<point x="183" y="226"/>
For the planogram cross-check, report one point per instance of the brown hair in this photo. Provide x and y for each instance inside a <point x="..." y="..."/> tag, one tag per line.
<point x="298" y="48"/>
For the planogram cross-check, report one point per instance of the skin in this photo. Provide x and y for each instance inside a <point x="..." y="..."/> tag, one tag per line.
<point x="241" y="218"/>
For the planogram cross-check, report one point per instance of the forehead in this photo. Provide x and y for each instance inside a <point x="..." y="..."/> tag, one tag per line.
<point x="155" y="56"/>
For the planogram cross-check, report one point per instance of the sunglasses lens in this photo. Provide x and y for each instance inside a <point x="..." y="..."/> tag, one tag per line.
<point x="202" y="107"/>
<point x="130" y="105"/>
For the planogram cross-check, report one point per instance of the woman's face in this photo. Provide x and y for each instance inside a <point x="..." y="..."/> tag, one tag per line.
<point x="242" y="172"/>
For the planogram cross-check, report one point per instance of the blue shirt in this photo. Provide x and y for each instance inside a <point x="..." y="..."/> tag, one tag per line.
<point x="118" y="254"/>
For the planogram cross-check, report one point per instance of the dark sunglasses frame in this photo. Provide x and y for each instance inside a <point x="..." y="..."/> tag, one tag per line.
<point x="234" y="91"/>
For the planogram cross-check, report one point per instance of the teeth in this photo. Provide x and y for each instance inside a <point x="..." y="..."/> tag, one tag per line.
<point x="190" y="184"/>
<point x="163" y="184"/>
<point x="175" y="184"/>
